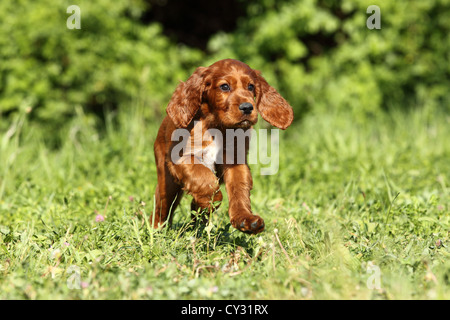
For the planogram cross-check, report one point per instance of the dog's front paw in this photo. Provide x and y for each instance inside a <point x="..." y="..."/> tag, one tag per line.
<point x="248" y="223"/>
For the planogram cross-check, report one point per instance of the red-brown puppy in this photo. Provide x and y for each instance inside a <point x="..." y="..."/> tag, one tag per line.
<point x="226" y="95"/>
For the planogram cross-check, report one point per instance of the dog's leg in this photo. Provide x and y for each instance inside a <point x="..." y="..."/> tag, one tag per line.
<point x="168" y="192"/>
<point x="238" y="183"/>
<point x="167" y="197"/>
<point x="202" y="184"/>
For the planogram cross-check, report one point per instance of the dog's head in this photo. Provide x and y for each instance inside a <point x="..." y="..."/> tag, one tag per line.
<point x="231" y="93"/>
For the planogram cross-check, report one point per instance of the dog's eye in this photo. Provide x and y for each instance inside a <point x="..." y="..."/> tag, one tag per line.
<point x="251" y="87"/>
<point x="224" y="87"/>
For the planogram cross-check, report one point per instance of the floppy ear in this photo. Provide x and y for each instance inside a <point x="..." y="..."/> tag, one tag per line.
<point x="272" y="106"/>
<point x="186" y="99"/>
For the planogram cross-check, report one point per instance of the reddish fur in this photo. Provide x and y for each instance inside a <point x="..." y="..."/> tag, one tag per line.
<point x="201" y="99"/>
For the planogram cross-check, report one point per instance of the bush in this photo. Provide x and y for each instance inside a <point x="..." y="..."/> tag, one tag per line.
<point x="321" y="55"/>
<point x="318" y="53"/>
<point x="113" y="60"/>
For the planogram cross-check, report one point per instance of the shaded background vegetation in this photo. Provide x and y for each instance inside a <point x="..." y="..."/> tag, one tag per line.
<point x="318" y="53"/>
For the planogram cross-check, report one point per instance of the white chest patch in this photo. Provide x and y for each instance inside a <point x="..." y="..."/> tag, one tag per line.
<point x="209" y="155"/>
<point x="200" y="149"/>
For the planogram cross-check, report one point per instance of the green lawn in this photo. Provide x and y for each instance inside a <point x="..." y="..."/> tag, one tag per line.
<point x="358" y="210"/>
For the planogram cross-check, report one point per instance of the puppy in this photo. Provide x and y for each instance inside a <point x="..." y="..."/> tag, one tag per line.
<point x="226" y="95"/>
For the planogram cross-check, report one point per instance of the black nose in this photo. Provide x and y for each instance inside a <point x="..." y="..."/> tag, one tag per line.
<point x="246" y="107"/>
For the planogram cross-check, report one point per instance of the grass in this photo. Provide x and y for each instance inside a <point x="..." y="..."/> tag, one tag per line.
<point x="357" y="210"/>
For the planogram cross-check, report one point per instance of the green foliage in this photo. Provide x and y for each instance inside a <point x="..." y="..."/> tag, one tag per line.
<point x="321" y="55"/>
<point x="113" y="60"/>
<point x="318" y="53"/>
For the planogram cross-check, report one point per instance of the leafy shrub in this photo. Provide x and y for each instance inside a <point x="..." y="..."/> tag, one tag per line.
<point x="321" y="55"/>
<point x="113" y="60"/>
<point x="317" y="53"/>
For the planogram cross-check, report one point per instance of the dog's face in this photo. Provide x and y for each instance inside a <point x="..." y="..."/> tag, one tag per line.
<point x="230" y="94"/>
